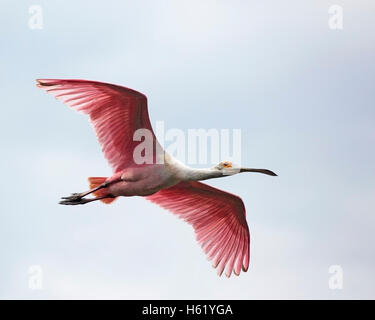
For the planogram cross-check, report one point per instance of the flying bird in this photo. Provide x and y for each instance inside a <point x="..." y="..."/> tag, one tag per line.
<point x="116" y="113"/>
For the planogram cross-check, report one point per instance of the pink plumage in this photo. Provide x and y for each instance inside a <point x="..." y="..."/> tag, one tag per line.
<point x="116" y="112"/>
<point x="218" y="219"/>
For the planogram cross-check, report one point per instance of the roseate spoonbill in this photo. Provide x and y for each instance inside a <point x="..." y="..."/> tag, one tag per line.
<point x="116" y="112"/>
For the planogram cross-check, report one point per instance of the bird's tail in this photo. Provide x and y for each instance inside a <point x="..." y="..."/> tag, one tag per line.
<point x="96" y="182"/>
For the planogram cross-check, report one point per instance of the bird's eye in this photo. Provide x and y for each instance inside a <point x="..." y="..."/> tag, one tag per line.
<point x="227" y="164"/>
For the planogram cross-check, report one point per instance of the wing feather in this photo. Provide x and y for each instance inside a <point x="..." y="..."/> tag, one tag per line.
<point x="115" y="112"/>
<point x="219" y="221"/>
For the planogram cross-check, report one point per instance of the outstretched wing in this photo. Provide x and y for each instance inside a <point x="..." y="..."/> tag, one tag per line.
<point x="115" y="112"/>
<point x="219" y="221"/>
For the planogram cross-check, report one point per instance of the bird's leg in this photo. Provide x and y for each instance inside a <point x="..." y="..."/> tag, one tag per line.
<point x="80" y="195"/>
<point x="81" y="200"/>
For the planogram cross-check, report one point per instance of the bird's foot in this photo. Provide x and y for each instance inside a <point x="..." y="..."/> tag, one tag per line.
<point x="74" y="201"/>
<point x="73" y="197"/>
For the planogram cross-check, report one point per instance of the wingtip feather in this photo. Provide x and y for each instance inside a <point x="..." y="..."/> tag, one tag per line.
<point x="44" y="82"/>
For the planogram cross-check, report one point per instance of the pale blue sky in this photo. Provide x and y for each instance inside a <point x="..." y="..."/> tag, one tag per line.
<point x="302" y="94"/>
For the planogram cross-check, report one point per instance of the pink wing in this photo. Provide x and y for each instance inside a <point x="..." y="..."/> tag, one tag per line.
<point x="218" y="219"/>
<point x="116" y="113"/>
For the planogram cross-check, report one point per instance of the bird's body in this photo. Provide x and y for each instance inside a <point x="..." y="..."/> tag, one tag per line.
<point x="117" y="113"/>
<point x="149" y="179"/>
<point x="144" y="181"/>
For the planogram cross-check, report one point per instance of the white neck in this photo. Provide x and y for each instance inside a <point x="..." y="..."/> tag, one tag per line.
<point x="186" y="173"/>
<point x="192" y="174"/>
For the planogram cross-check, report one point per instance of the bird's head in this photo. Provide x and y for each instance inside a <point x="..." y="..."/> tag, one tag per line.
<point x="229" y="168"/>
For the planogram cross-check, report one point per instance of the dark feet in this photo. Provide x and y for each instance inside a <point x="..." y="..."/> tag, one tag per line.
<point x="75" y="200"/>
<point x="73" y="197"/>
